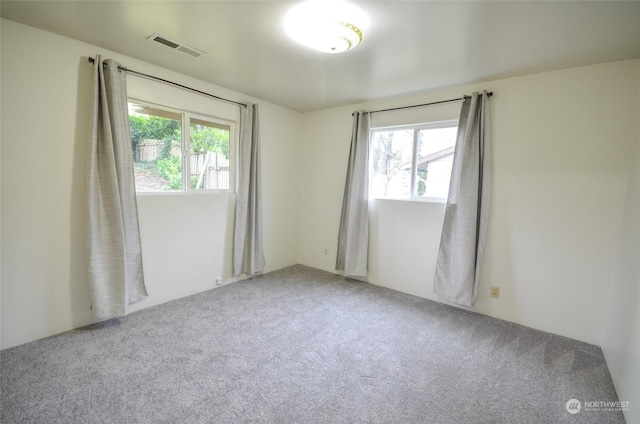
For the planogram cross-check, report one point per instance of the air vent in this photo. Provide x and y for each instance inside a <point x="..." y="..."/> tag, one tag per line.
<point x="175" y="45"/>
<point x="190" y="51"/>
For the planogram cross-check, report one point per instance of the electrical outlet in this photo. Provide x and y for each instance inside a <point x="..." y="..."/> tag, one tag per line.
<point x="495" y="292"/>
<point x="326" y="251"/>
<point x="218" y="281"/>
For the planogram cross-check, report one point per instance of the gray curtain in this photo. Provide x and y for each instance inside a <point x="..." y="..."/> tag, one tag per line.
<point x="114" y="252"/>
<point x="248" y="254"/>
<point x="467" y="211"/>
<point x="353" y="235"/>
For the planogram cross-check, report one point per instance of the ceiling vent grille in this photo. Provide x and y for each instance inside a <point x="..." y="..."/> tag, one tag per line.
<point x="183" y="48"/>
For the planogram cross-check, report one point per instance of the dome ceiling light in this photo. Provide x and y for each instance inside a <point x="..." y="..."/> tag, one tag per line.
<point x="325" y="25"/>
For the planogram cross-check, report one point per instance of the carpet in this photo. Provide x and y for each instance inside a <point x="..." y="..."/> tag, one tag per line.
<point x="299" y="345"/>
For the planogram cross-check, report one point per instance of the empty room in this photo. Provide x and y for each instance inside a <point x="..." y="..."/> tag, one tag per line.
<point x="320" y="212"/>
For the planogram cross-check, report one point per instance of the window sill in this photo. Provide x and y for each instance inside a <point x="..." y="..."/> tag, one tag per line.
<point x="185" y="193"/>
<point x="414" y="200"/>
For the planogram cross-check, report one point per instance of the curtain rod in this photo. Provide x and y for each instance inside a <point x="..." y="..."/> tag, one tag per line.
<point x="175" y="84"/>
<point x="489" y="94"/>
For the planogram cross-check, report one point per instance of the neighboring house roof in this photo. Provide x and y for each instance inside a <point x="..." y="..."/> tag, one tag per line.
<point x="423" y="161"/>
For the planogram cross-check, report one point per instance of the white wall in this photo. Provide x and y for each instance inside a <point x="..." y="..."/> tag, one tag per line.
<point x="186" y="239"/>
<point x="621" y="334"/>
<point x="560" y="146"/>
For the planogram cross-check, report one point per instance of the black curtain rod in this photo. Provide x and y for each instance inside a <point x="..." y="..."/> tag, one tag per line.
<point x="175" y="84"/>
<point x="489" y="94"/>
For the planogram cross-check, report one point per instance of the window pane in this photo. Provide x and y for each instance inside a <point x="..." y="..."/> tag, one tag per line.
<point x="209" y="158"/>
<point x="392" y="153"/>
<point x="156" y="144"/>
<point x="435" y="157"/>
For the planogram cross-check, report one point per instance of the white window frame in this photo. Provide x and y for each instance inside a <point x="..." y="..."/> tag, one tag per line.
<point x="186" y="150"/>
<point x="413" y="197"/>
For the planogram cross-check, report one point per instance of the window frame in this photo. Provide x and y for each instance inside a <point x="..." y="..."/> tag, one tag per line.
<point x="413" y="196"/>
<point x="185" y="150"/>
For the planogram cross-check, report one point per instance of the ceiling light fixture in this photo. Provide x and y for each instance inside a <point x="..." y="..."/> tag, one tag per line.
<point x="326" y="25"/>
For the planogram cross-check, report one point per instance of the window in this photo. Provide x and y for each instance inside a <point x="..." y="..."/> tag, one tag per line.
<point x="412" y="162"/>
<point x="161" y="138"/>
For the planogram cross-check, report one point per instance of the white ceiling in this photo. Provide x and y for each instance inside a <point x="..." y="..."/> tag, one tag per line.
<point x="410" y="45"/>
